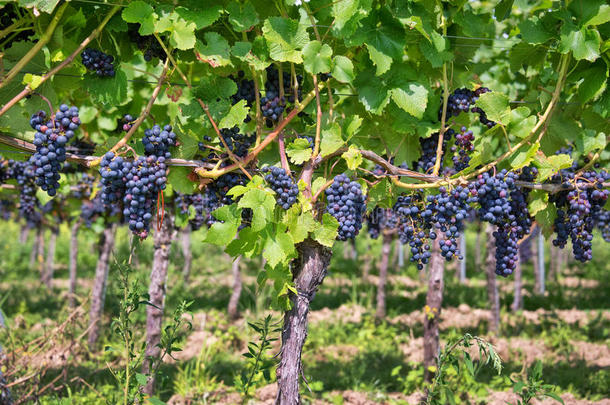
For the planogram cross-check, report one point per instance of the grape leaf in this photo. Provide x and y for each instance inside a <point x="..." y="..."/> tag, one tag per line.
<point x="236" y="115"/>
<point x="317" y="57"/>
<point x="215" y="51"/>
<point x="142" y="13"/>
<point x="285" y="38"/>
<point x="298" y="151"/>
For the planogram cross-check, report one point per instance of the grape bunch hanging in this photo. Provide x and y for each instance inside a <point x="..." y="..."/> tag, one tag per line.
<point x="99" y="62"/>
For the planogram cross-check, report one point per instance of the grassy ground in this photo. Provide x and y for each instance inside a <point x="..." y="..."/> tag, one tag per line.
<point x="348" y="357"/>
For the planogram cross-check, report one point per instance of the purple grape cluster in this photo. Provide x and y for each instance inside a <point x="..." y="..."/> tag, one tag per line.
<point x="381" y="219"/>
<point x="185" y="201"/>
<point x="286" y="190"/>
<point x="157" y="141"/>
<point x="272" y="105"/>
<point x="99" y="62"/>
<point x="346" y="203"/>
<point x="415" y="227"/>
<point x="148" y="44"/>
<point x="463" y="146"/>
<point x="237" y="142"/>
<point x="461" y="101"/>
<point x="578" y="210"/>
<point x="428" y="156"/>
<point x="50" y="139"/>
<point x="23" y="173"/>
<point x="83" y="186"/>
<point x="91" y="210"/>
<point x="602" y="222"/>
<point x="245" y="90"/>
<point x="125" y="123"/>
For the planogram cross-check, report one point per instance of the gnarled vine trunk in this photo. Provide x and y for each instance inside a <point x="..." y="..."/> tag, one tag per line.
<point x="73" y="262"/>
<point x="23" y="235"/>
<point x="37" y="253"/>
<point x="383" y="275"/>
<point x="434" y="301"/>
<point x="98" y="294"/>
<point x="233" y="308"/>
<point x="492" y="283"/>
<point x="185" y="243"/>
<point x="477" y="248"/>
<point x="47" y="274"/>
<point x="462" y="263"/>
<point x="309" y="270"/>
<point x="156" y="291"/>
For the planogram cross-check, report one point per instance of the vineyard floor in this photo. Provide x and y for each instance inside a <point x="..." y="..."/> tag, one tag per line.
<point x="349" y="357"/>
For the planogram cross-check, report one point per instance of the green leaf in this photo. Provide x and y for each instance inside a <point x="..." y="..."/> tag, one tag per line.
<point x="502" y="10"/>
<point x="554" y="396"/>
<point x="331" y="139"/>
<point x="141" y="379"/>
<point x="278" y="247"/>
<point x="601" y="16"/>
<point x="202" y="16"/>
<point x="317" y="57"/>
<point x="521" y="122"/>
<point x="584" y="43"/>
<point x="594" y="82"/>
<point x="534" y="32"/>
<point x="436" y="50"/>
<point x="384" y="44"/>
<point x="413" y="98"/>
<point x="155" y="401"/>
<point x="343" y="69"/>
<point x="526" y="55"/>
<point x="550" y="165"/>
<point x="352" y="157"/>
<point x="539" y="199"/>
<point x="246" y="244"/>
<point x="523" y="157"/>
<point x="285" y="38"/>
<point x="326" y="232"/>
<point x="212" y="87"/>
<point x="142" y="13"/>
<point x="183" y="34"/>
<point x="255" y="54"/>
<point x="236" y="116"/>
<point x="372" y="91"/>
<point x="590" y="141"/>
<point x="221" y="233"/>
<point x="178" y="178"/>
<point x="495" y="106"/>
<point x="110" y="91"/>
<point x="298" y="151"/>
<point x="262" y="204"/>
<point x="299" y="224"/>
<point x="242" y="16"/>
<point x="215" y="51"/>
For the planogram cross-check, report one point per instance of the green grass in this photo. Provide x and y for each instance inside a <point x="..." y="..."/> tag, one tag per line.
<point x="339" y="355"/>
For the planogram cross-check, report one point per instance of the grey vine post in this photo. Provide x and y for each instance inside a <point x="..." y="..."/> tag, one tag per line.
<point x="23" y="235"/>
<point x="233" y="308"/>
<point x="432" y="312"/>
<point x="477" y="248"/>
<point x="492" y="283"/>
<point x="541" y="286"/>
<point x="518" y="299"/>
<point x="47" y="274"/>
<point x="98" y="294"/>
<point x="386" y="247"/>
<point x="36" y="256"/>
<point x="401" y="254"/>
<point x="309" y="270"/>
<point x="185" y="242"/>
<point x="73" y="262"/>
<point x="462" y="276"/>
<point x="156" y="291"/>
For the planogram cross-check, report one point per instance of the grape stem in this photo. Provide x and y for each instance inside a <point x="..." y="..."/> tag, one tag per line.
<point x="27" y="90"/>
<point x="282" y="150"/>
<point x="36" y="48"/>
<point x="441" y="132"/>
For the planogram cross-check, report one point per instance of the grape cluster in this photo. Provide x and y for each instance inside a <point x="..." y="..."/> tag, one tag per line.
<point x="148" y="44"/>
<point x="448" y="209"/>
<point x="6" y="209"/>
<point x="50" y="139"/>
<point x="415" y="227"/>
<point x="185" y="201"/>
<point x="91" y="210"/>
<point x="245" y="90"/>
<point x="83" y="186"/>
<point x="237" y="142"/>
<point x="24" y="174"/>
<point x="272" y="105"/>
<point x="157" y="141"/>
<point x="346" y="203"/>
<point x="125" y="123"/>
<point x="463" y="146"/>
<point x="285" y="188"/>
<point x="602" y="221"/>
<point x="381" y="219"/>
<point x="461" y="101"/>
<point x="98" y="62"/>
<point x="428" y="156"/>
<point x="505" y="206"/>
<point x="578" y="210"/>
